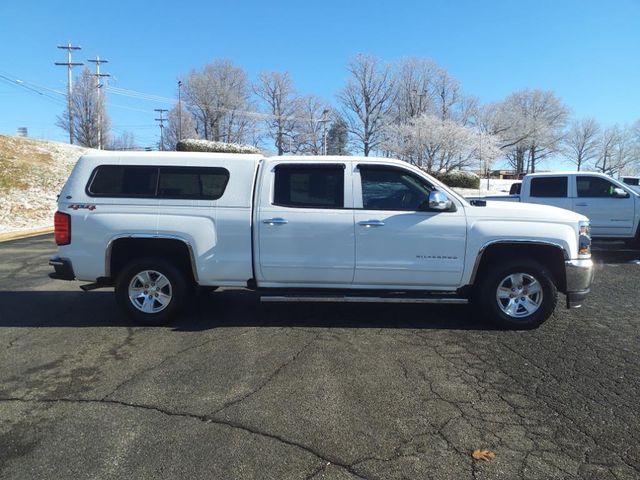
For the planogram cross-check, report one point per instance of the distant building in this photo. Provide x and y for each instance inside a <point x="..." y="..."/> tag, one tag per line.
<point x="22" y="132"/>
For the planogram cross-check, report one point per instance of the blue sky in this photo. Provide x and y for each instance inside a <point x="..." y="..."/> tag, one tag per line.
<point x="587" y="52"/>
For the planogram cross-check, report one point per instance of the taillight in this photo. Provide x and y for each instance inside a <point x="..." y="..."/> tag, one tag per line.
<point x="62" y="228"/>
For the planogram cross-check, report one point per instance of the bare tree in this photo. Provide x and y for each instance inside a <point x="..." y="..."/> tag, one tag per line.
<point x="277" y="91"/>
<point x="535" y="121"/>
<point x="218" y="97"/>
<point x="91" y="124"/>
<point x="313" y="116"/>
<point x="125" y="141"/>
<point x="616" y="150"/>
<point x="173" y="133"/>
<point x="413" y="85"/>
<point x="581" y="142"/>
<point x="367" y="99"/>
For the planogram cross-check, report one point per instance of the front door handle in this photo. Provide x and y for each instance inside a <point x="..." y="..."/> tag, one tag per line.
<point x="371" y="223"/>
<point x="275" y="221"/>
<point x="582" y="204"/>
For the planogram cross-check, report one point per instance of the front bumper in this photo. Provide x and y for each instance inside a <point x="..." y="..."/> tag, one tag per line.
<point x="63" y="269"/>
<point x="579" y="275"/>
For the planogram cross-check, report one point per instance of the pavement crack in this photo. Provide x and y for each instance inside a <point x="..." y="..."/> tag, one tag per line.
<point x="267" y="380"/>
<point x="328" y="459"/>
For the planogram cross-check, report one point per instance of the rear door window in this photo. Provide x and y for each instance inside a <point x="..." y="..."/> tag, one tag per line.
<point x="556" y="187"/>
<point x="312" y="186"/>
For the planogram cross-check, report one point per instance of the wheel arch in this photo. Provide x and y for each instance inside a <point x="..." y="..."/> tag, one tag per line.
<point x="551" y="255"/>
<point x="124" y="247"/>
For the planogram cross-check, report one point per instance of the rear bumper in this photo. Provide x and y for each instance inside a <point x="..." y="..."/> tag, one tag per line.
<point x="579" y="275"/>
<point x="63" y="269"/>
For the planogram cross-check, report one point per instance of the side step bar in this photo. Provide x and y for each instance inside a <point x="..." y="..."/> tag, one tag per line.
<point x="351" y="299"/>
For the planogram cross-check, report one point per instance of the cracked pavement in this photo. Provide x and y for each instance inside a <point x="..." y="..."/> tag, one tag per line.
<point x="239" y="389"/>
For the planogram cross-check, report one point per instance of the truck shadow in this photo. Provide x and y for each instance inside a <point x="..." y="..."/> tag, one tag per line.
<point x="230" y="308"/>
<point x="614" y="253"/>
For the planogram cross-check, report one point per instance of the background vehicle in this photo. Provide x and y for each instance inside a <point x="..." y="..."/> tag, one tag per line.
<point x="613" y="208"/>
<point x="633" y="182"/>
<point x="309" y="228"/>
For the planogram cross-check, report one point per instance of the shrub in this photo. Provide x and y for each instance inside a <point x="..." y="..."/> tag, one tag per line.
<point x="197" y="145"/>
<point x="459" y="179"/>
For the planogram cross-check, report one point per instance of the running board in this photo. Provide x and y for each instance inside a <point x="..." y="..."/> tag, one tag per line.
<point x="351" y="299"/>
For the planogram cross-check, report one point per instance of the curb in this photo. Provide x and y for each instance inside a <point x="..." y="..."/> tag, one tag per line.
<point x="7" y="237"/>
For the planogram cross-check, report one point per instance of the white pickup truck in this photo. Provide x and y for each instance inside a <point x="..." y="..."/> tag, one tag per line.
<point x="613" y="207"/>
<point x="157" y="226"/>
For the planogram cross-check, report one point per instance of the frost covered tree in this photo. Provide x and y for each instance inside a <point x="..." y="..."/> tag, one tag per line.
<point x="311" y="125"/>
<point x="172" y="132"/>
<point x="413" y="88"/>
<point x="581" y="142"/>
<point x="616" y="152"/>
<point x="218" y="97"/>
<point x="276" y="90"/>
<point x="367" y="100"/>
<point x="91" y="123"/>
<point x="535" y="122"/>
<point x="441" y="146"/>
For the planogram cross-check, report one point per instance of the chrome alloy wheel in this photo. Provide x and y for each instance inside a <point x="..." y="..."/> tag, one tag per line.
<point x="150" y="291"/>
<point x="519" y="295"/>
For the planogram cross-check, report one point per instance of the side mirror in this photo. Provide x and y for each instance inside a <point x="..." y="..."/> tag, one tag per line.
<point x="619" y="193"/>
<point x="439" y="201"/>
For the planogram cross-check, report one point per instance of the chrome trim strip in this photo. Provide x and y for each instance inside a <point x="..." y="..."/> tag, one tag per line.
<point x="349" y="299"/>
<point x="107" y="266"/>
<point x="522" y="242"/>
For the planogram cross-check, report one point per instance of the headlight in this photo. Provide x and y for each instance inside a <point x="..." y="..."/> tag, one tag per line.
<point x="584" y="240"/>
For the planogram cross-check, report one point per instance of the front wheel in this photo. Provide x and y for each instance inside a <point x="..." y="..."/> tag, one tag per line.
<point x="151" y="291"/>
<point x="520" y="295"/>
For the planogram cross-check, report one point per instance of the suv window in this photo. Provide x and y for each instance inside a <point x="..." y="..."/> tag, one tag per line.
<point x="207" y="183"/>
<point x="392" y="189"/>
<point x="595" y="187"/>
<point x="309" y="186"/>
<point x="549" y="187"/>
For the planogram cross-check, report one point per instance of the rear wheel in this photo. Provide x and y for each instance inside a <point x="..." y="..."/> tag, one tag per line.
<point x="151" y="291"/>
<point x="519" y="295"/>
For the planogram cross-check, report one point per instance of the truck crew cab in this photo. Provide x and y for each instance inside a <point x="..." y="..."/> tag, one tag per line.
<point x="154" y="225"/>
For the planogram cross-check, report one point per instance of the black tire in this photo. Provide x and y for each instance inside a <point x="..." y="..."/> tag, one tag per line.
<point x="175" y="292"/>
<point x="494" y="309"/>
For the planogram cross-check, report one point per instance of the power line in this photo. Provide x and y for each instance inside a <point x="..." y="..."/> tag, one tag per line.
<point x="69" y="64"/>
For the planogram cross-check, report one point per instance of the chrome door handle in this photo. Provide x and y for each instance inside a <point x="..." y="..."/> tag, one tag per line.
<point x="582" y="204"/>
<point x="275" y="221"/>
<point x="371" y="223"/>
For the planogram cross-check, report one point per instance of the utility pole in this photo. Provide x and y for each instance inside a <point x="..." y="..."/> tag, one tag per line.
<point x="98" y="61"/>
<point x="69" y="64"/>
<point x="161" y="120"/>
<point x="179" y="111"/>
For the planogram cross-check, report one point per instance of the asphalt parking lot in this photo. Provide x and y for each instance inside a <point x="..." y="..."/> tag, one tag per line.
<point x="240" y="389"/>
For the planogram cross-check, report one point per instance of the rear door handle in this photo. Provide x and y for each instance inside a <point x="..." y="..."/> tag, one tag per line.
<point x="275" y="221"/>
<point x="371" y="223"/>
<point x="582" y="204"/>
